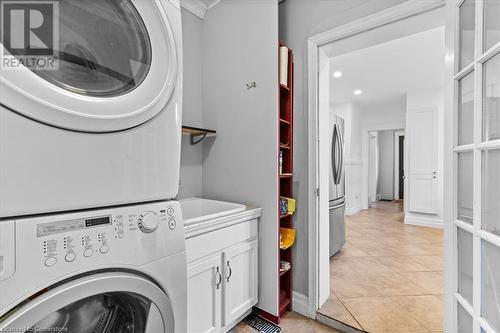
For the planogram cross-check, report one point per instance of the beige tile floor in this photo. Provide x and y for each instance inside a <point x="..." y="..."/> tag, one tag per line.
<point x="291" y="323"/>
<point x="388" y="277"/>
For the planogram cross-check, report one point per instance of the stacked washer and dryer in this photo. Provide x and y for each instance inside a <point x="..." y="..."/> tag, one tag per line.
<point x="90" y="238"/>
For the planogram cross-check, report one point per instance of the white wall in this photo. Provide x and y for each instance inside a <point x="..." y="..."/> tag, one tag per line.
<point x="300" y="19"/>
<point x="385" y="185"/>
<point x="418" y="100"/>
<point x="191" y="172"/>
<point x="240" y="45"/>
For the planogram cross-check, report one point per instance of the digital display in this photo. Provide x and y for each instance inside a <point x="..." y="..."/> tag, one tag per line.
<point x="52" y="228"/>
<point x="97" y="221"/>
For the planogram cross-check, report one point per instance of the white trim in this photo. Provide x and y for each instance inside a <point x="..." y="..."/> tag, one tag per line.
<point x="424" y="221"/>
<point x="397" y="136"/>
<point x="300" y="304"/>
<point x="449" y="172"/>
<point x="489" y="237"/>
<point x="198" y="8"/>
<point x="407" y="9"/>
<point x="312" y="177"/>
<point x="335" y="324"/>
<point x="353" y="210"/>
<point x="195" y="7"/>
<point x="464" y="226"/>
<point x="213" y="4"/>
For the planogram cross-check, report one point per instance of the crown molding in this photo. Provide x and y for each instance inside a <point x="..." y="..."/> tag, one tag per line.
<point x="195" y="7"/>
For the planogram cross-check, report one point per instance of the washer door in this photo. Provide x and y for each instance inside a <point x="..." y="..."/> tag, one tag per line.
<point x="101" y="303"/>
<point x="117" y="67"/>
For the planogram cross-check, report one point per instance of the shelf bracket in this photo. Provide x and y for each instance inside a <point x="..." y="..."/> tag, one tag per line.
<point x="197" y="135"/>
<point x="195" y="139"/>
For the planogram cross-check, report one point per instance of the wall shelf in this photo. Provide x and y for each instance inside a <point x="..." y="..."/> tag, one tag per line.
<point x="197" y="134"/>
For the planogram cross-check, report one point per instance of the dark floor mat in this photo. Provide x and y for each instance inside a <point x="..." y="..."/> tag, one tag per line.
<point x="260" y="324"/>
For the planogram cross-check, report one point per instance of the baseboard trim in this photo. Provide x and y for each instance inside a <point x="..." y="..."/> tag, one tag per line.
<point x="335" y="324"/>
<point x="424" y="222"/>
<point x="353" y="210"/>
<point x="300" y="304"/>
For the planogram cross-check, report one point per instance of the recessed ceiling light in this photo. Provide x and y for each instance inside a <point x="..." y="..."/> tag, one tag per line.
<point x="337" y="74"/>
<point x="358" y="92"/>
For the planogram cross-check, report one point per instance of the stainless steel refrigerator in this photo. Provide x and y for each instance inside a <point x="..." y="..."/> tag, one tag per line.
<point x="337" y="185"/>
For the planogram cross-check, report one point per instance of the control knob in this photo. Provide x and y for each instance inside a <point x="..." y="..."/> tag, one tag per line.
<point x="148" y="222"/>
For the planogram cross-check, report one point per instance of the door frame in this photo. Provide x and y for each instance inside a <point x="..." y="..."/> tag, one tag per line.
<point x="315" y="192"/>
<point x="397" y="136"/>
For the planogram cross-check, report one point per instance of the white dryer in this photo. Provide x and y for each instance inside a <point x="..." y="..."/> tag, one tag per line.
<point x="104" y="271"/>
<point x="104" y="129"/>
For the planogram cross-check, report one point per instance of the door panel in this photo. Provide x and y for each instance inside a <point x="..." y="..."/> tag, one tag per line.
<point x="490" y="284"/>
<point x="465" y="187"/>
<point x="474" y="235"/>
<point x="465" y="267"/>
<point x="423" y="194"/>
<point x="423" y="161"/>
<point x="240" y="280"/>
<point x="204" y="295"/>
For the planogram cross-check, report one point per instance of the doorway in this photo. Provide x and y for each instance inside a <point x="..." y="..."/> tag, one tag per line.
<point x="386" y="165"/>
<point x="401" y="167"/>
<point x="319" y="274"/>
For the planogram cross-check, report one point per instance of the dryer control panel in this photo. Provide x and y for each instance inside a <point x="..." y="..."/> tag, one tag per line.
<point x="129" y="235"/>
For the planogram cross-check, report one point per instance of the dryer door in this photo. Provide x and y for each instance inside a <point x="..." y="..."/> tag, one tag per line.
<point x="101" y="303"/>
<point x="117" y="67"/>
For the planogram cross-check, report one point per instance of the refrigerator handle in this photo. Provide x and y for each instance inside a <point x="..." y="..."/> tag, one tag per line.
<point x="334" y="154"/>
<point x="341" y="152"/>
<point x="338" y="152"/>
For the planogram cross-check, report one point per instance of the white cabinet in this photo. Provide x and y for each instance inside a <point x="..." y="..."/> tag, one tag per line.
<point x="222" y="277"/>
<point x="204" y="295"/>
<point x="240" y="283"/>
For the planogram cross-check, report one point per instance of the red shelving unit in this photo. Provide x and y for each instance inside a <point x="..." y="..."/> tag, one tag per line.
<point x="286" y="180"/>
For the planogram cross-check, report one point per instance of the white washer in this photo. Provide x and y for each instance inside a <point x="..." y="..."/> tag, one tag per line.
<point x="110" y="270"/>
<point x="105" y="128"/>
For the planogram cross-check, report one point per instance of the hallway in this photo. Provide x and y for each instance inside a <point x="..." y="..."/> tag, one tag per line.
<point x="388" y="277"/>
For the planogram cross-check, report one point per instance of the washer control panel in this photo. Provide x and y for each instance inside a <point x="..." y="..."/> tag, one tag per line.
<point x="118" y="232"/>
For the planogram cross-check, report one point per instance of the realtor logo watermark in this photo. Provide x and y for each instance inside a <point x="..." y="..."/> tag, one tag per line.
<point x="29" y="34"/>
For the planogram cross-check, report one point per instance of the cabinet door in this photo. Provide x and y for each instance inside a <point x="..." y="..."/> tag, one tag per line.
<point x="204" y="288"/>
<point x="240" y="280"/>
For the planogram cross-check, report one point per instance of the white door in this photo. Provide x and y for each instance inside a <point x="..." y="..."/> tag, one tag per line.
<point x="204" y="288"/>
<point x="240" y="280"/>
<point x="474" y="282"/>
<point x="423" y="160"/>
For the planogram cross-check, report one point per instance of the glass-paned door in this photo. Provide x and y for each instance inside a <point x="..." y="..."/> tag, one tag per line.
<point x="477" y="166"/>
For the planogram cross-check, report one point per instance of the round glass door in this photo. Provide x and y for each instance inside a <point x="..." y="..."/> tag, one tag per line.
<point x="114" y="302"/>
<point x="104" y="48"/>
<point x="104" y="313"/>
<point x="117" y="65"/>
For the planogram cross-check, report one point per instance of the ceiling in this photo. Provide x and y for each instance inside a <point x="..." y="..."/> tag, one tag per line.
<point x="389" y="70"/>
